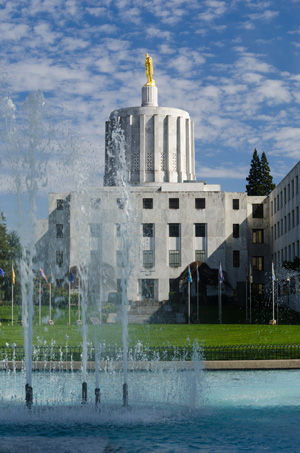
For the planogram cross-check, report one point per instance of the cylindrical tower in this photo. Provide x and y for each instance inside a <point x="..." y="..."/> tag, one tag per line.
<point x="159" y="143"/>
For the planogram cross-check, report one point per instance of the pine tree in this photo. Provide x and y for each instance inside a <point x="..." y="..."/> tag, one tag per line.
<point x="254" y="178"/>
<point x="266" y="177"/>
<point x="260" y="181"/>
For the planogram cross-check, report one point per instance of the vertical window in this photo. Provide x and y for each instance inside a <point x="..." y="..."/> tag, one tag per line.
<point x="148" y="261"/>
<point x="297" y="215"/>
<point x="59" y="230"/>
<point x="297" y="185"/>
<point x="293" y="218"/>
<point x="258" y="263"/>
<point x="95" y="229"/>
<point x="173" y="203"/>
<point x="293" y="189"/>
<point x="118" y="230"/>
<point x="272" y="208"/>
<point x="174" y="258"/>
<point x="147" y="203"/>
<point x="281" y="200"/>
<point x="274" y="205"/>
<point x="281" y="221"/>
<point x="59" y="205"/>
<point x="236" y="230"/>
<point x="285" y="225"/>
<point x="236" y="204"/>
<point x="200" y="230"/>
<point x="289" y="221"/>
<point x="236" y="258"/>
<point x="278" y="205"/>
<point x="284" y="192"/>
<point x="289" y="192"/>
<point x="200" y="203"/>
<point x="200" y="255"/>
<point x="59" y="258"/>
<point x="120" y="261"/>
<point x="257" y="211"/>
<point x="174" y="230"/>
<point x="148" y="230"/>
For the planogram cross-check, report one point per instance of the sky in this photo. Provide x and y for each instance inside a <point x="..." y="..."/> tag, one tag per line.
<point x="233" y="65"/>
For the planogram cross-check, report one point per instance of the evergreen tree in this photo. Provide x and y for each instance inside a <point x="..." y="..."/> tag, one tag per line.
<point x="254" y="178"/>
<point x="260" y="181"/>
<point x="266" y="177"/>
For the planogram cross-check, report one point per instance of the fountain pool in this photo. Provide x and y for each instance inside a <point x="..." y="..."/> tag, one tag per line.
<point x="178" y="411"/>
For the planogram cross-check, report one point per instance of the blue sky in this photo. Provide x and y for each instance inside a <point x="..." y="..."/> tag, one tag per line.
<point x="233" y="65"/>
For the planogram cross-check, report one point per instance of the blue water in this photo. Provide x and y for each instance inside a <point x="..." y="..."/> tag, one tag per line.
<point x="169" y="412"/>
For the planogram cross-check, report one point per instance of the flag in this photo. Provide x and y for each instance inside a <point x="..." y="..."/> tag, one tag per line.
<point x="273" y="272"/>
<point x="43" y="274"/>
<point x="71" y="276"/>
<point x="221" y="275"/>
<point x="198" y="278"/>
<point x="2" y="272"/>
<point x="13" y="276"/>
<point x="52" y="279"/>
<point x="190" y="275"/>
<point x="246" y="273"/>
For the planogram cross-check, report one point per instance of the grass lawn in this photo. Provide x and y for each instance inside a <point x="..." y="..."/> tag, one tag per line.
<point x="148" y="334"/>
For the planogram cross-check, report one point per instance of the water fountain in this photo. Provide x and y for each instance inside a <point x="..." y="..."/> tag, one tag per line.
<point x="174" y="406"/>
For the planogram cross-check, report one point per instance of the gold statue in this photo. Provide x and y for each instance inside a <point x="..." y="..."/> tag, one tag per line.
<point x="149" y="71"/>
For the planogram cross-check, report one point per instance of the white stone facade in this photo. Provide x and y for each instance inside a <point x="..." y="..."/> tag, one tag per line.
<point x="170" y="219"/>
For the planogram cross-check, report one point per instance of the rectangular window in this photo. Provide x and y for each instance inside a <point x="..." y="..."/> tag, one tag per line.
<point x="174" y="230"/>
<point x="278" y="229"/>
<point x="281" y="221"/>
<point x="236" y="230"/>
<point x="95" y="203"/>
<point x="285" y="224"/>
<point x="289" y="192"/>
<point x="148" y="230"/>
<point x="95" y="229"/>
<point x="293" y="189"/>
<point x="258" y="263"/>
<point x="200" y="255"/>
<point x="120" y="260"/>
<point x="59" y="230"/>
<point x="297" y="215"/>
<point x="274" y="205"/>
<point x="293" y="219"/>
<point x="147" y="203"/>
<point x="236" y="258"/>
<point x="174" y="258"/>
<point x="173" y="203"/>
<point x="258" y="211"/>
<point x="200" y="230"/>
<point x="272" y="210"/>
<point x="297" y="185"/>
<point x="118" y="230"/>
<point x="59" y="205"/>
<point x="289" y="221"/>
<point x="236" y="204"/>
<point x="120" y="203"/>
<point x="148" y="258"/>
<point x="258" y="289"/>
<point x="281" y="200"/>
<point x="59" y="258"/>
<point x="200" y="203"/>
<point x="278" y="205"/>
<point x="284" y="191"/>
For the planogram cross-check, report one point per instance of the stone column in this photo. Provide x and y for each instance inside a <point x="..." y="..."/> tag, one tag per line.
<point x="142" y="148"/>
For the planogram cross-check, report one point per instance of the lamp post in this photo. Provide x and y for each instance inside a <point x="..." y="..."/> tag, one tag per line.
<point x="289" y="289"/>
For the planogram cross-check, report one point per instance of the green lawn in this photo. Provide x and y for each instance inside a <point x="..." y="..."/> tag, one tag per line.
<point x="152" y="335"/>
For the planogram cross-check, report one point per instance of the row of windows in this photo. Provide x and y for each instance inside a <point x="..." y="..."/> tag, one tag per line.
<point x="174" y="230"/>
<point x="174" y="258"/>
<point x="288" y="253"/>
<point x="285" y="224"/>
<point x="285" y="195"/>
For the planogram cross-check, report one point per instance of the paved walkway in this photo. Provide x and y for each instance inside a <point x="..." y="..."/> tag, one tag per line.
<point x="152" y="366"/>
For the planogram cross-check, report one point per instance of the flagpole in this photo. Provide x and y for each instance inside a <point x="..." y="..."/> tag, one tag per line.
<point x="189" y="302"/>
<point x="246" y="298"/>
<point x="273" y="299"/>
<point x="250" y="295"/>
<point x="79" y="300"/>
<point x="50" y="303"/>
<point x="40" y="303"/>
<point x="220" y="302"/>
<point x="12" y="295"/>
<point x="69" y="303"/>
<point x="197" y="294"/>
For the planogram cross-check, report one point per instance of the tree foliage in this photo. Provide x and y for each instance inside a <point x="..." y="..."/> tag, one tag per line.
<point x="10" y="253"/>
<point x="260" y="181"/>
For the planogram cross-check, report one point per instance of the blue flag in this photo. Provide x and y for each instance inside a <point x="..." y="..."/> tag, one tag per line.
<point x="190" y="275"/>
<point x="221" y="275"/>
<point x="2" y="272"/>
<point x="71" y="277"/>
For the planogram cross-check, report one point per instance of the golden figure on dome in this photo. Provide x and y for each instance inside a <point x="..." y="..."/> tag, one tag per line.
<point x="149" y="71"/>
